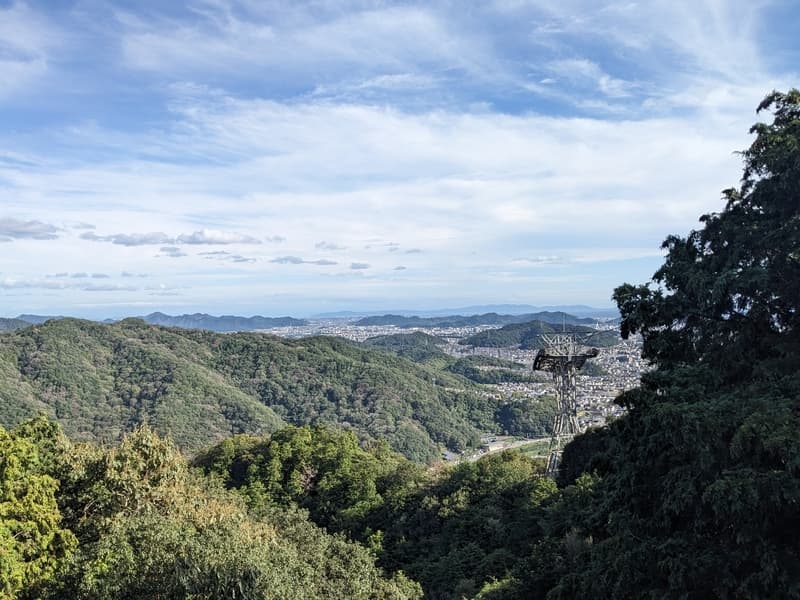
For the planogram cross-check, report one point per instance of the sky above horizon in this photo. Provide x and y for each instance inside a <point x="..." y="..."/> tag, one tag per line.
<point x="268" y="157"/>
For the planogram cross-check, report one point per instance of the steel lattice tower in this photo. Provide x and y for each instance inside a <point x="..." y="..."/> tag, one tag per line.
<point x="563" y="355"/>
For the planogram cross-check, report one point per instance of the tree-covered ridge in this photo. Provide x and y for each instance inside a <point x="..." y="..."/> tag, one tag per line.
<point x="424" y="348"/>
<point x="100" y="380"/>
<point x="12" y="324"/>
<point x="413" y="406"/>
<point x="527" y="335"/>
<point x="416" y="346"/>
<point x="133" y="521"/>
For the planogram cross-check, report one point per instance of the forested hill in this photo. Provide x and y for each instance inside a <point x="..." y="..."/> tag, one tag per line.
<point x="556" y="317"/>
<point x="416" y="346"/>
<point x="526" y="335"/>
<point x="99" y="380"/>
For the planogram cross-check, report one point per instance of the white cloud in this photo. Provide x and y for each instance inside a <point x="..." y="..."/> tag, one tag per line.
<point x="477" y="136"/>
<point x="107" y="287"/>
<point x="171" y="252"/>
<point x="288" y="260"/>
<point x="211" y="236"/>
<point x="296" y="260"/>
<point x="449" y="183"/>
<point x="328" y="246"/>
<point x="203" y="237"/>
<point x="18" y="229"/>
<point x="130" y="239"/>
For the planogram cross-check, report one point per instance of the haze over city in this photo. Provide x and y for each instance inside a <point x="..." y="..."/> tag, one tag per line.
<point x="286" y="158"/>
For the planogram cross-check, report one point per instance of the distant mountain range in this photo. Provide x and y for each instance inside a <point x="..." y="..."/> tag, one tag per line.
<point x="556" y="318"/>
<point x="506" y="314"/>
<point x="223" y="323"/>
<point x="578" y="310"/>
<point x="37" y="319"/>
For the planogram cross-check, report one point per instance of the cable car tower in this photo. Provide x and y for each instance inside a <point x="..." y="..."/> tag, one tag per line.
<point x="563" y="355"/>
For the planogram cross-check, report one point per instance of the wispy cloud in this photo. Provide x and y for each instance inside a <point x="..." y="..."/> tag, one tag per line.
<point x="130" y="239"/>
<point x="204" y="237"/>
<point x="211" y="236"/>
<point x="296" y="260"/>
<point x="107" y="287"/>
<point x="541" y="260"/>
<point x="288" y="260"/>
<point x="171" y="252"/>
<point x="329" y="246"/>
<point x="222" y="255"/>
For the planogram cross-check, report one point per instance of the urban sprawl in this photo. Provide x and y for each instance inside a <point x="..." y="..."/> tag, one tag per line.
<point x="620" y="366"/>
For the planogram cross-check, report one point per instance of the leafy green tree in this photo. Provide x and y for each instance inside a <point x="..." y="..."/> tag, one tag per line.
<point x="149" y="527"/>
<point x="322" y="470"/>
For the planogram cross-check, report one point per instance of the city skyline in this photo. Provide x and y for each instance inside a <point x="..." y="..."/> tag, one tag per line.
<point x="299" y="158"/>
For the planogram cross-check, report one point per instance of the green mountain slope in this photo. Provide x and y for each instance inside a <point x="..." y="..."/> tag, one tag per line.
<point x="99" y="380"/>
<point x="380" y="395"/>
<point x="526" y="335"/>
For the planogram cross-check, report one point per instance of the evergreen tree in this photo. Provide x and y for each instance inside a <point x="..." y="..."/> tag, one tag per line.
<point x="32" y="539"/>
<point x="698" y="494"/>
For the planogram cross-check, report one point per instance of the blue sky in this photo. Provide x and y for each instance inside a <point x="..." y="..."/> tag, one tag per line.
<point x="298" y="157"/>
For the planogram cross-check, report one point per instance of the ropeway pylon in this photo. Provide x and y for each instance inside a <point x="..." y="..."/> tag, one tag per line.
<point x="563" y="355"/>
